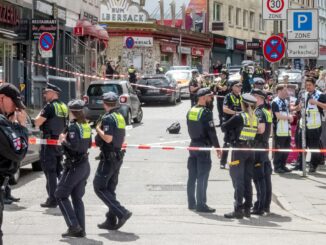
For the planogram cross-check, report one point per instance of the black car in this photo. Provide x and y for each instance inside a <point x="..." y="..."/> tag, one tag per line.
<point x="161" y="89"/>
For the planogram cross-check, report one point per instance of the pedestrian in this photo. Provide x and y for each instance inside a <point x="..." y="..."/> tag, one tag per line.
<point x="202" y="132"/>
<point x="258" y="72"/>
<point x="132" y="72"/>
<point x="194" y="86"/>
<point x="262" y="165"/>
<point x="281" y="128"/>
<point x="13" y="137"/>
<point x="109" y="70"/>
<point x="245" y="124"/>
<point x="110" y="136"/>
<point x="75" y="141"/>
<point x="231" y="106"/>
<point x="159" y="69"/>
<point x="222" y="91"/>
<point x="315" y="102"/>
<point x="321" y="83"/>
<point x="52" y="120"/>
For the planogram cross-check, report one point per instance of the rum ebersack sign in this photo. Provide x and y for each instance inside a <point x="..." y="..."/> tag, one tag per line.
<point x="123" y="11"/>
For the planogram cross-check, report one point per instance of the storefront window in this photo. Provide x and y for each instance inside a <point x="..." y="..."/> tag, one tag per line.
<point x="196" y="61"/>
<point x="166" y="60"/>
<point x="5" y="60"/>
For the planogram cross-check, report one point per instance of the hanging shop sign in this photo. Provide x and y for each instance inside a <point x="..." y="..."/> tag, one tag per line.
<point x="40" y="26"/>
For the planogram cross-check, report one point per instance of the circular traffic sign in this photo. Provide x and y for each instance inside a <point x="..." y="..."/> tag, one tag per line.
<point x="130" y="42"/>
<point x="275" y="6"/>
<point x="46" y="41"/>
<point x="274" y="49"/>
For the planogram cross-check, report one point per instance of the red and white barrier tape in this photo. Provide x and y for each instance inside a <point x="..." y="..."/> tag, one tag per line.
<point x="37" y="141"/>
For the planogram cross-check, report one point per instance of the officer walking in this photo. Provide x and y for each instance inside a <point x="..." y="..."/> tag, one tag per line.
<point x="245" y="125"/>
<point x="159" y="69"/>
<point x="281" y="128"/>
<point x="315" y="102"/>
<point x="202" y="133"/>
<point x="193" y="88"/>
<point x="110" y="137"/>
<point x="52" y="120"/>
<point x="231" y="106"/>
<point x="221" y="90"/>
<point x="13" y="137"/>
<point x="75" y="141"/>
<point x="262" y="168"/>
<point x="132" y="74"/>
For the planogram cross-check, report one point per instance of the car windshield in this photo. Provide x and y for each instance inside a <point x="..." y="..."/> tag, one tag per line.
<point x="180" y="75"/>
<point x="154" y="82"/>
<point x="292" y="75"/>
<point x="100" y="89"/>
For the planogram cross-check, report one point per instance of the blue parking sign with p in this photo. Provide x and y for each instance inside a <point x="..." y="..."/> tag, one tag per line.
<point x="302" y="21"/>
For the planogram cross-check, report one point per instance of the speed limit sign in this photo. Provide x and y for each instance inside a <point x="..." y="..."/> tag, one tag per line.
<point x="275" y="9"/>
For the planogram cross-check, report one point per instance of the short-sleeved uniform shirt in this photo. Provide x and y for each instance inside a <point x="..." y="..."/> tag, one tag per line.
<point x="233" y="102"/>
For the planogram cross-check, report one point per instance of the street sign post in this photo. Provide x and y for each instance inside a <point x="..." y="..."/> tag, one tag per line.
<point x="46" y="41"/>
<point x="275" y="9"/>
<point x="274" y="49"/>
<point x="303" y="24"/>
<point x="130" y="42"/>
<point x="306" y="50"/>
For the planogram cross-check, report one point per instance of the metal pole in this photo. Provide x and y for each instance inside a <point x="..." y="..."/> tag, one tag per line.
<point x="180" y="42"/>
<point x="303" y="131"/>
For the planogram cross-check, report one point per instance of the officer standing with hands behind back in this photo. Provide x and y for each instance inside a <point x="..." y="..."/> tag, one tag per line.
<point x="110" y="136"/>
<point x="13" y="136"/>
<point x="75" y="141"/>
<point x="203" y="134"/>
<point x="52" y="120"/>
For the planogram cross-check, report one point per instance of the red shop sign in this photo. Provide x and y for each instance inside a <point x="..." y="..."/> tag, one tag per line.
<point x="78" y="31"/>
<point x="168" y="48"/>
<point x="9" y="14"/>
<point x="197" y="51"/>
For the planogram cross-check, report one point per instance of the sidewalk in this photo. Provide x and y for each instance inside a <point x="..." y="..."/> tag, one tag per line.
<point x="304" y="197"/>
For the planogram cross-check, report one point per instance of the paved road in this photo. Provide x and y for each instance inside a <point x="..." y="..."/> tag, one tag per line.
<point x="152" y="186"/>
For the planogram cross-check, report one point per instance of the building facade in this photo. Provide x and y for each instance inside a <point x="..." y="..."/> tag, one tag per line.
<point x="322" y="33"/>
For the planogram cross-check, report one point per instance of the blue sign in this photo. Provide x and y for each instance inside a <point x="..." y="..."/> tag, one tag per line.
<point x="302" y="21"/>
<point x="46" y="41"/>
<point x="274" y="49"/>
<point x="130" y="42"/>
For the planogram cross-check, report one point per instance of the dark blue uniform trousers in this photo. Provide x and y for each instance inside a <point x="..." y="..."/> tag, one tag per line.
<point x="73" y="182"/>
<point x="199" y="166"/>
<point x="51" y="165"/>
<point x="241" y="175"/>
<point x="105" y="183"/>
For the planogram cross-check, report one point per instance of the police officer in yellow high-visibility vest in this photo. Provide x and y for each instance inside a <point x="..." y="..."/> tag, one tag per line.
<point x="315" y="102"/>
<point x="52" y="120"/>
<point x="132" y="72"/>
<point x="245" y="125"/>
<point x="262" y="169"/>
<point x="111" y="131"/>
<point x="203" y="134"/>
<point x="281" y="128"/>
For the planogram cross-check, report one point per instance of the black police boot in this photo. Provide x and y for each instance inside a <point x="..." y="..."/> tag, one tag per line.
<point x="76" y="231"/>
<point x="312" y="169"/>
<point x="205" y="209"/>
<point x="257" y="212"/>
<point x="49" y="204"/>
<point x="7" y="201"/>
<point x="222" y="166"/>
<point x="267" y="210"/>
<point x="191" y="206"/>
<point x="286" y="170"/>
<point x="236" y="214"/>
<point x="14" y="199"/>
<point x="247" y="213"/>
<point x="123" y="220"/>
<point x="109" y="224"/>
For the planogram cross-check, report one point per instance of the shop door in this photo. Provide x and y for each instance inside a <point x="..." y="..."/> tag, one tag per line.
<point x="183" y="60"/>
<point x="6" y="52"/>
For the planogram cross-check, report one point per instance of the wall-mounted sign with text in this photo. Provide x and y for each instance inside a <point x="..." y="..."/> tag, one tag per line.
<point x="134" y="42"/>
<point x="40" y="26"/>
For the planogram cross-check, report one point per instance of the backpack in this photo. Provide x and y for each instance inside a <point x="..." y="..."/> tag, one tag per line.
<point x="174" y="128"/>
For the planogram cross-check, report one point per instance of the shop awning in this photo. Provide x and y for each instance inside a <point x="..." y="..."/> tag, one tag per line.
<point x="102" y="33"/>
<point x="85" y="28"/>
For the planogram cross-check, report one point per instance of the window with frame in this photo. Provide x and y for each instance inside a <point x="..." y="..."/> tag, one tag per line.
<point x="230" y="15"/>
<point x="237" y="16"/>
<point x="245" y="18"/>
<point x="252" y="20"/>
<point x="217" y="11"/>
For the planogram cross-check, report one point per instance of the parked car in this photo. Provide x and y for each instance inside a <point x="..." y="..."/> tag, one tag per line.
<point x="234" y="69"/>
<point x="130" y="106"/>
<point x="295" y="77"/>
<point x="33" y="153"/>
<point x="183" y="78"/>
<point x="159" y="95"/>
<point x="180" y="68"/>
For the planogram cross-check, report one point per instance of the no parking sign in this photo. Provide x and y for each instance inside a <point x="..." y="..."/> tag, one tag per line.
<point x="274" y="49"/>
<point x="275" y="9"/>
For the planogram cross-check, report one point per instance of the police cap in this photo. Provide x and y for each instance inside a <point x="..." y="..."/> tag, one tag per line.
<point x="204" y="91"/>
<point x="249" y="99"/>
<point x="259" y="80"/>
<point x="76" y="105"/>
<point x="52" y="87"/>
<point x="12" y="92"/>
<point x="110" y="97"/>
<point x="259" y="92"/>
<point x="237" y="82"/>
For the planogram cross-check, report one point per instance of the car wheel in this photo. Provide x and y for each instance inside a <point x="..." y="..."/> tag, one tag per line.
<point x="36" y="166"/>
<point x="179" y="99"/>
<point x="174" y="99"/>
<point x="15" y="177"/>
<point x="139" y="117"/>
<point x="128" y="118"/>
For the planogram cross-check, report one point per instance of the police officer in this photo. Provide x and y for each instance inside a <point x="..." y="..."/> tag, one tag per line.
<point x="52" y="120"/>
<point x="259" y="83"/>
<point x="281" y="128"/>
<point x="258" y="72"/>
<point x="262" y="168"/>
<point x="13" y="136"/>
<point x="193" y="88"/>
<point x="75" y="141"/>
<point x="132" y="74"/>
<point x="315" y="102"/>
<point x="245" y="73"/>
<point x="221" y="90"/>
<point x="231" y="105"/>
<point x="245" y="125"/>
<point x="110" y="137"/>
<point x="159" y="69"/>
<point x="202" y="133"/>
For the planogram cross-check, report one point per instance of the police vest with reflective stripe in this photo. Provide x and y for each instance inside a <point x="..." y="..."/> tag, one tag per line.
<point x="268" y="115"/>
<point x="131" y="70"/>
<point x="195" y="127"/>
<point x="282" y="126"/>
<point x="313" y="116"/>
<point x="235" y="100"/>
<point x="120" y="130"/>
<point x="85" y="136"/>
<point x="248" y="132"/>
<point x="55" y="126"/>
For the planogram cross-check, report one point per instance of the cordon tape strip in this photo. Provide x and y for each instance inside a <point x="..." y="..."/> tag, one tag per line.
<point x="37" y="141"/>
